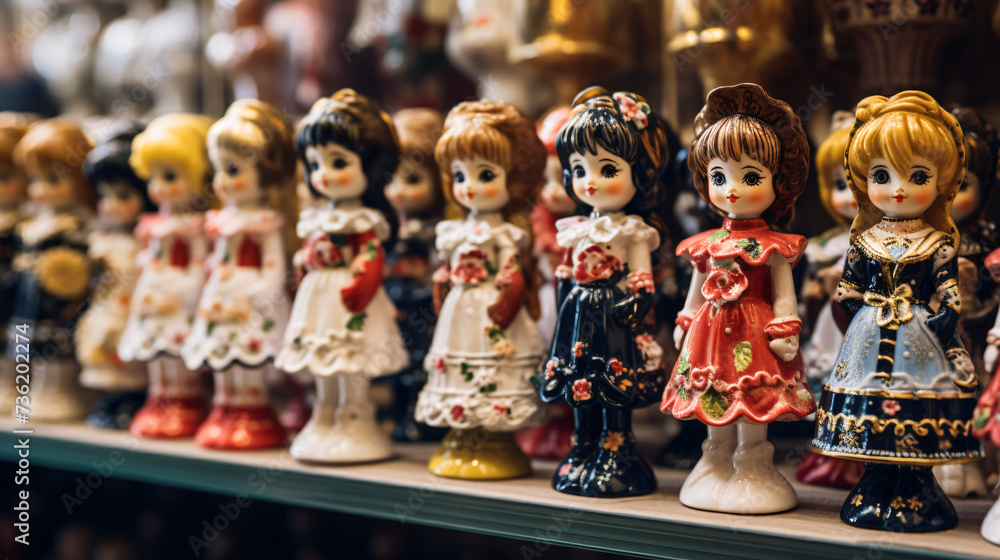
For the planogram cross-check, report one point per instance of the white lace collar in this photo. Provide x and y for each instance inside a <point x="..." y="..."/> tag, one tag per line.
<point x="605" y="228"/>
<point x="341" y="220"/>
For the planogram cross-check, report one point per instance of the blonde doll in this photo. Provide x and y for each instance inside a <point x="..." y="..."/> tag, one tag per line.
<point x="170" y="155"/>
<point x="486" y="346"/>
<point x="902" y="393"/>
<point x="244" y="305"/>
<point x="342" y="327"/>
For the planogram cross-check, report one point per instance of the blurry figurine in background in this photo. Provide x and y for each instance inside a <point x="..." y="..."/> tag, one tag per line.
<point x="604" y="361"/>
<point x="740" y="366"/>
<point x="170" y="155"/>
<point x="13" y="210"/>
<point x="486" y="347"/>
<point x="986" y="419"/>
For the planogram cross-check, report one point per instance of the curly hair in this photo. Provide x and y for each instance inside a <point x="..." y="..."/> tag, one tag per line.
<point x="57" y="146"/>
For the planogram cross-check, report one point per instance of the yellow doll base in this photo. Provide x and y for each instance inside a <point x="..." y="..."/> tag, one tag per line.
<point x="478" y="454"/>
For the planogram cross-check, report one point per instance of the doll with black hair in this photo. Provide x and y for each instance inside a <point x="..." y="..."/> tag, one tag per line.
<point x="121" y="198"/>
<point x="604" y="361"/>
<point x="342" y="327"/>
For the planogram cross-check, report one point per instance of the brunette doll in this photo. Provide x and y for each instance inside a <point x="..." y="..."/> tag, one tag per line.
<point x="113" y="247"/>
<point x="604" y="361"/>
<point x="486" y="347"/>
<point x="343" y="328"/>
<point x="170" y="155"/>
<point x="13" y="194"/>
<point x="244" y="305"/>
<point x="415" y="193"/>
<point x="53" y="267"/>
<point x="902" y="393"/>
<point x="740" y="366"/>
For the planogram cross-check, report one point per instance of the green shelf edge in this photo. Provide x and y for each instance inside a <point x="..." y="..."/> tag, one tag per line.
<point x="538" y="525"/>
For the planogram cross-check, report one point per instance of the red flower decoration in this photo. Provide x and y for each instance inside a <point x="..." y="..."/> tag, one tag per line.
<point x="564" y="470"/>
<point x="550" y="369"/>
<point x="322" y="253"/>
<point x="254" y="344"/>
<point x="471" y="267"/>
<point x="616" y="366"/>
<point x="724" y="284"/>
<point x="438" y="364"/>
<point x="594" y="264"/>
<point x="501" y="408"/>
<point x="179" y="337"/>
<point x="578" y="349"/>
<point x="581" y="390"/>
<point x="700" y="378"/>
<point x="457" y="412"/>
<point x="890" y="407"/>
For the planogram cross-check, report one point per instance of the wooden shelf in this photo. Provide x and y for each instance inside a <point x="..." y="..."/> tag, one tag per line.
<point x="655" y="526"/>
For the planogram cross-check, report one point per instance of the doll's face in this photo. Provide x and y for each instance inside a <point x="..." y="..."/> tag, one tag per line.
<point x="902" y="193"/>
<point x="411" y="188"/>
<point x="49" y="187"/>
<point x="742" y="188"/>
<point x="236" y="177"/>
<point x="553" y="194"/>
<point x="168" y="184"/>
<point x="479" y="184"/>
<point x="12" y="185"/>
<point x="118" y="203"/>
<point x="335" y="172"/>
<point x="842" y="198"/>
<point x="968" y="198"/>
<point x="602" y="180"/>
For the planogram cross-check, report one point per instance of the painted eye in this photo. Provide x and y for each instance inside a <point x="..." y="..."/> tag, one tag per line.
<point x="880" y="176"/>
<point x="609" y="171"/>
<point x="841" y="185"/>
<point x="578" y="172"/>
<point x="920" y="177"/>
<point x="169" y="176"/>
<point x="718" y="179"/>
<point x="339" y="163"/>
<point x="314" y="166"/>
<point x="752" y="179"/>
<point x="486" y="176"/>
<point x="53" y="179"/>
<point x="459" y="177"/>
<point x="232" y="170"/>
<point x="961" y="187"/>
<point x="412" y="178"/>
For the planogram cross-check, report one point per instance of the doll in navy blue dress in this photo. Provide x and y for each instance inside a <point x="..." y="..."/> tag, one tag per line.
<point x="604" y="361"/>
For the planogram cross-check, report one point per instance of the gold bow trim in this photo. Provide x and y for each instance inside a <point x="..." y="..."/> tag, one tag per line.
<point x="894" y="310"/>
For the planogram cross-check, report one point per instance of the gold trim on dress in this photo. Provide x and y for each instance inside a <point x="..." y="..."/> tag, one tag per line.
<point x="892" y="460"/>
<point x="909" y="395"/>
<point x="920" y="427"/>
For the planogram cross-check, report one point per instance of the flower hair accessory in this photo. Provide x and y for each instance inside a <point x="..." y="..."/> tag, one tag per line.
<point x="634" y="108"/>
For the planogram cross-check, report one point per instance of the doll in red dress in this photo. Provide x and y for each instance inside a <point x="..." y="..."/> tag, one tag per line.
<point x="740" y="365"/>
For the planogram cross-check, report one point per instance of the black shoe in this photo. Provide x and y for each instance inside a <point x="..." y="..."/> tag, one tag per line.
<point x="918" y="504"/>
<point x="114" y="411"/>
<point x="618" y="470"/>
<point x="684" y="451"/>
<point x="868" y="502"/>
<point x="573" y="470"/>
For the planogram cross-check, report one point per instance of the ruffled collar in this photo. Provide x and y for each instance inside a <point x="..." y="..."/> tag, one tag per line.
<point x="42" y="227"/>
<point x="750" y="240"/>
<point x="159" y="226"/>
<point x="476" y="231"/>
<point x="901" y="226"/>
<point x="341" y="220"/>
<point x="604" y="228"/>
<point x="231" y="220"/>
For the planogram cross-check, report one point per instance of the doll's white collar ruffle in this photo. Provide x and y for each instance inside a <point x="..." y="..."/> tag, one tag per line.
<point x="157" y="226"/>
<point x="231" y="220"/>
<point x="603" y="229"/>
<point x="341" y="220"/>
<point x="452" y="233"/>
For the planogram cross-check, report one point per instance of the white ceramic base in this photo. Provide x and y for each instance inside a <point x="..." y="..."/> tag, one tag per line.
<point x="991" y="525"/>
<point x="964" y="480"/>
<point x="342" y="428"/>
<point x="56" y="394"/>
<point x="736" y="474"/>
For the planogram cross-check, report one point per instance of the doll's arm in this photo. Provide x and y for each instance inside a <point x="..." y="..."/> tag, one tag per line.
<point x="785" y="327"/>
<point x="199" y="251"/>
<point x="272" y="262"/>
<point x="944" y="322"/>
<point x="634" y="307"/>
<point x="367" y="270"/>
<point x="511" y="285"/>
<point x="692" y="304"/>
<point x="992" y="347"/>
<point x="850" y="291"/>
<point x="564" y="278"/>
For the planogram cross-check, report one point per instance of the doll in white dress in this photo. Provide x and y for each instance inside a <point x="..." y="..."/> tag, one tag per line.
<point x="486" y="346"/>
<point x="113" y="247"/>
<point x="170" y="155"/>
<point x="244" y="306"/>
<point x="343" y="327"/>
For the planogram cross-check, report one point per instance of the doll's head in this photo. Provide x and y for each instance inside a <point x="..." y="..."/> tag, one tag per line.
<point x="171" y="156"/>
<point x="834" y="193"/>
<point x="121" y="194"/>
<point x="981" y="145"/>
<point x="348" y="146"/>
<point x="613" y="151"/>
<point x="905" y="159"/>
<point x="553" y="195"/>
<point x="13" y="181"/>
<point x="52" y="154"/>
<point x="749" y="157"/>
<point x="415" y="189"/>
<point x="491" y="159"/>
<point x="251" y="150"/>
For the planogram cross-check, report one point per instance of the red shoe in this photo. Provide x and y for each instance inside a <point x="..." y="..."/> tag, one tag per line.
<point x="820" y="470"/>
<point x="552" y="440"/>
<point x="169" y="417"/>
<point x="241" y="427"/>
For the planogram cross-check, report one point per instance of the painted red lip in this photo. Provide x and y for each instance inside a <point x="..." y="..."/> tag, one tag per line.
<point x="899" y="198"/>
<point x="591" y="190"/>
<point x="733" y="198"/>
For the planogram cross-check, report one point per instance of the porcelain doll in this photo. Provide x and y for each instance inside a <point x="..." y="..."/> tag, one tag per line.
<point x="13" y="194"/>
<point x="986" y="419"/>
<point x="53" y="267"/>
<point x="825" y="255"/>
<point x="244" y="306"/>
<point x="604" y="361"/>
<point x="170" y="155"/>
<point x="486" y="347"/>
<point x="342" y="328"/>
<point x="740" y="366"/>
<point x="552" y="439"/>
<point x="114" y="249"/>
<point x="415" y="194"/>
<point x="978" y="237"/>
<point x="902" y="393"/>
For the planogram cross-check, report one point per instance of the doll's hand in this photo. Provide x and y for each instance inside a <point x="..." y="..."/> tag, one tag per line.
<point x="785" y="348"/>
<point x="679" y="336"/>
<point x="990" y="357"/>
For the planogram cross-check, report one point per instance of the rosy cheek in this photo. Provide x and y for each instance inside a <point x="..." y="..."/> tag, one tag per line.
<point x="418" y="196"/>
<point x="491" y="192"/>
<point x="614" y="188"/>
<point x="317" y="179"/>
<point x="239" y="186"/>
<point x="458" y="192"/>
<point x="717" y="198"/>
<point x="923" y="198"/>
<point x="175" y="191"/>
<point x="579" y="189"/>
<point x="344" y="179"/>
<point x="756" y="196"/>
